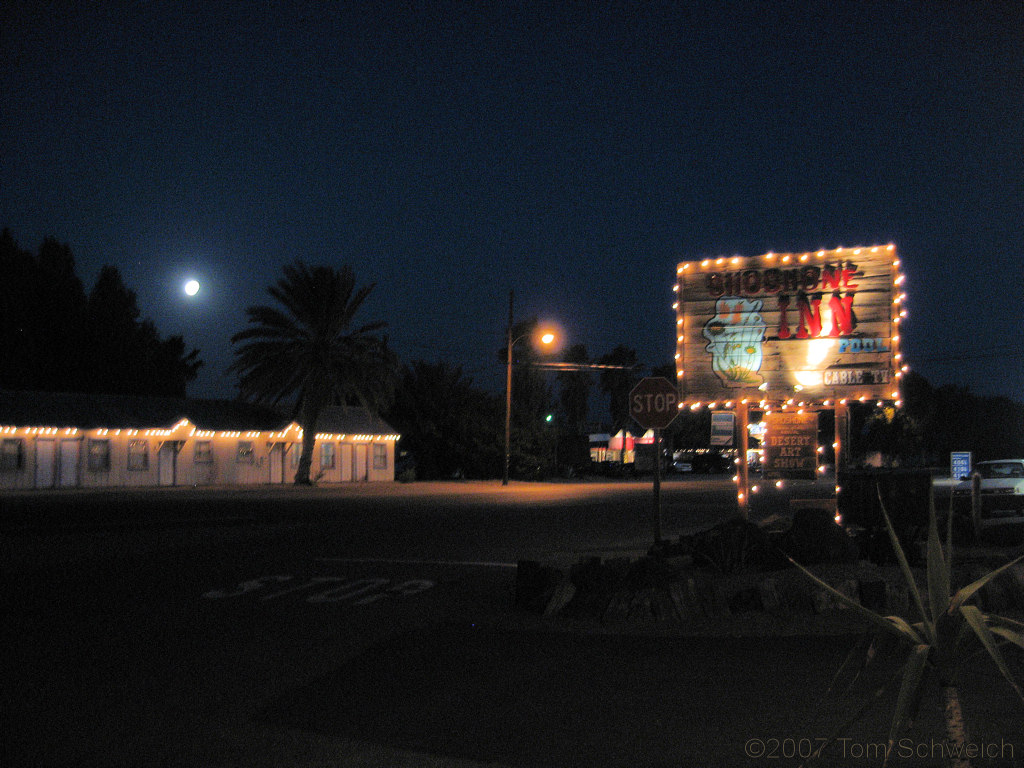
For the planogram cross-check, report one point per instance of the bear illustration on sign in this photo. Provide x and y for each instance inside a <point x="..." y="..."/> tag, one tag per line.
<point x="735" y="337"/>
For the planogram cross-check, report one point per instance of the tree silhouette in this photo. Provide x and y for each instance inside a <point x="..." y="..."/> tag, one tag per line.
<point x="450" y="426"/>
<point x="935" y="421"/>
<point x="574" y="390"/>
<point x="128" y="354"/>
<point x="308" y="348"/>
<point x="618" y="383"/>
<point x="56" y="338"/>
<point x="574" y="408"/>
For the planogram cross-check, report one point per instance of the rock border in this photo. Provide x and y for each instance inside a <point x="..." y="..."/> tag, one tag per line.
<point x="671" y="593"/>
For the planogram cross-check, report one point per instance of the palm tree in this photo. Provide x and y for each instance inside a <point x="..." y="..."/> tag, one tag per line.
<point x="309" y="349"/>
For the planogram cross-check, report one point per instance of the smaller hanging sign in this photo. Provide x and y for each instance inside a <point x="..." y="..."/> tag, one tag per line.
<point x="790" y="445"/>
<point x="723" y="427"/>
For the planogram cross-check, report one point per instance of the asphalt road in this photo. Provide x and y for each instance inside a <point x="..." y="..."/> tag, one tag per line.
<point x="151" y="627"/>
<point x="461" y="521"/>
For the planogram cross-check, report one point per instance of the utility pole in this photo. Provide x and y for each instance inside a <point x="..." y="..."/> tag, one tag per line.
<point x="508" y="391"/>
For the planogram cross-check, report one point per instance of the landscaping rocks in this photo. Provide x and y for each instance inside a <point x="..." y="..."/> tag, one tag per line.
<point x="735" y="575"/>
<point x="736" y="546"/>
<point x="815" y="538"/>
<point x="651" y="592"/>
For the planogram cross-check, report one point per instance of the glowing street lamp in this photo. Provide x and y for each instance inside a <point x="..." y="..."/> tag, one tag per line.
<point x="547" y="338"/>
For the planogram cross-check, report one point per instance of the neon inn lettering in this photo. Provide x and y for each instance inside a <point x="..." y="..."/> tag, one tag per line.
<point x="798" y="294"/>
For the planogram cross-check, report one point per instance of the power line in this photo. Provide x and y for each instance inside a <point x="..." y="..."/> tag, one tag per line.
<point x="581" y="366"/>
<point x="977" y="355"/>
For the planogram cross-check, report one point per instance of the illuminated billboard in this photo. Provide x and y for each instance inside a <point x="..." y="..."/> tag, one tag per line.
<point x="811" y="328"/>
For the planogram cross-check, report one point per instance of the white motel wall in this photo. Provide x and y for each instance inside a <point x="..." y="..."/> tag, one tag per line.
<point x="103" y="441"/>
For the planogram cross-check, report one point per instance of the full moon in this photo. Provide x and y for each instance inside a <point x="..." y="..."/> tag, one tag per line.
<point x="192" y="287"/>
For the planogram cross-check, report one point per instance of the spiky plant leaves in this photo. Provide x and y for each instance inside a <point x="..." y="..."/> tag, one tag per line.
<point x="939" y="640"/>
<point x="938" y="569"/>
<point x="1007" y="634"/>
<point x="869" y="703"/>
<point x="976" y="619"/>
<point x="966" y="593"/>
<point x="910" y="692"/>
<point x="908" y="574"/>
<point x="893" y="624"/>
<point x="860" y="656"/>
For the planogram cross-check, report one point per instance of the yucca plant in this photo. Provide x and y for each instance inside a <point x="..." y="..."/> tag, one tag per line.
<point x="938" y="643"/>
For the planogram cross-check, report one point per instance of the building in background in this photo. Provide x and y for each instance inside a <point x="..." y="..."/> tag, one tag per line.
<point x="65" y="440"/>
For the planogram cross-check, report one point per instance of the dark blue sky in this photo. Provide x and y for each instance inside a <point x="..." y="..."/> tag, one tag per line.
<point x="572" y="151"/>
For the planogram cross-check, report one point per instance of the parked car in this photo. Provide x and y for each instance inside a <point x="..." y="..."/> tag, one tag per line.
<point x="712" y="463"/>
<point x="1002" y="492"/>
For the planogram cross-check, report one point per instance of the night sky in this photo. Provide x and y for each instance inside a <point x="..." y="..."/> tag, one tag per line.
<point x="572" y="151"/>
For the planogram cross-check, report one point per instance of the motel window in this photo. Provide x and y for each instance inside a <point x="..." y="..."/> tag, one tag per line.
<point x="380" y="456"/>
<point x="12" y="454"/>
<point x="296" y="455"/>
<point x="203" y="452"/>
<point x="327" y="452"/>
<point x="99" y="456"/>
<point x="246" y="454"/>
<point x="138" y="455"/>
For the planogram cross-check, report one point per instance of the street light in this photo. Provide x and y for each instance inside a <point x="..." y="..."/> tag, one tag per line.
<point x="546" y="338"/>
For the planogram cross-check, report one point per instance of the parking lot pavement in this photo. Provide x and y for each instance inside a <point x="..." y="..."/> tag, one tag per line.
<point x="500" y="696"/>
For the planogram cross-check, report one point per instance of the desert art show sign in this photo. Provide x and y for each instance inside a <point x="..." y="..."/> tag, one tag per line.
<point x="790" y="444"/>
<point x="813" y="327"/>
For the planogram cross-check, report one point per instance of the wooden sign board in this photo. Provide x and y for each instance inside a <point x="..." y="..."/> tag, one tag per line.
<point x="812" y="327"/>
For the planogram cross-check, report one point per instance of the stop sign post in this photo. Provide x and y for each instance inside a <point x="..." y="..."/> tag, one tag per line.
<point x="653" y="404"/>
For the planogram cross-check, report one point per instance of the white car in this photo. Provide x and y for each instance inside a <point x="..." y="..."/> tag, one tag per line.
<point x="1002" y="491"/>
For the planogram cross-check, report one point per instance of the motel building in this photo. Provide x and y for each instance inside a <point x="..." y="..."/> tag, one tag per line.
<point x="624" y="448"/>
<point x="65" y="440"/>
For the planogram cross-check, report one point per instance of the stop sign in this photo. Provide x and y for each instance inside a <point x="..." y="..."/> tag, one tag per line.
<point x="654" y="402"/>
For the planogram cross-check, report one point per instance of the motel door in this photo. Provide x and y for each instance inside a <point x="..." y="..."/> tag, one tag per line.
<point x="361" y="463"/>
<point x="46" y="463"/>
<point x="69" y="450"/>
<point x="167" y="463"/>
<point x="346" y="462"/>
<point x="277" y="462"/>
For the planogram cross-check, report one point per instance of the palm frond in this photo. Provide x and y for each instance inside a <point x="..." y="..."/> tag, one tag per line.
<point x="306" y="347"/>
